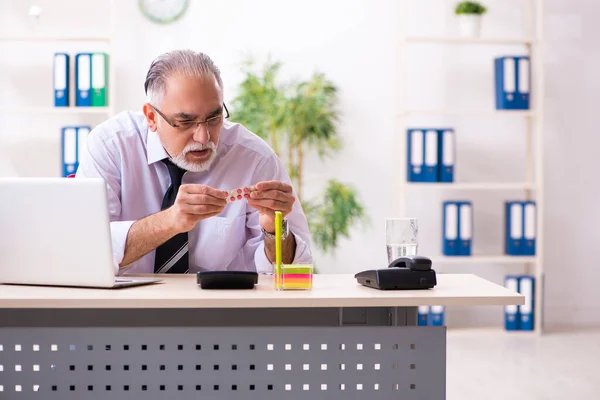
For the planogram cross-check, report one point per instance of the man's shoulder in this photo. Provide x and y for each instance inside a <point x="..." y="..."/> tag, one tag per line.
<point x="126" y="124"/>
<point x="237" y="137"/>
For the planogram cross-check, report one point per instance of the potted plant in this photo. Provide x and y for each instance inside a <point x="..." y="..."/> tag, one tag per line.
<point x="469" y="17"/>
<point x="296" y="118"/>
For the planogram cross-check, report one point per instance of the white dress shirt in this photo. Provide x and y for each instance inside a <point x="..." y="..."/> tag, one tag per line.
<point x="127" y="155"/>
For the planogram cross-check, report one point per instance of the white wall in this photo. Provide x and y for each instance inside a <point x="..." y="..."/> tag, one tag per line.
<point x="355" y="44"/>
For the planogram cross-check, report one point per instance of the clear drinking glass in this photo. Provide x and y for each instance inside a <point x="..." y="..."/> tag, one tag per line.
<point x="401" y="236"/>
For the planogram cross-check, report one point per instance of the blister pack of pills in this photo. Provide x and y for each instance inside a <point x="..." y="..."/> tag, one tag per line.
<point x="239" y="193"/>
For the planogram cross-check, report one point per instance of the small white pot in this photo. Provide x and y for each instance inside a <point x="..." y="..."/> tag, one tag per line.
<point x="469" y="25"/>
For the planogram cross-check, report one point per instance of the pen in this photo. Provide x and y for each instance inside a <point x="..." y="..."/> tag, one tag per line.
<point x="278" y="229"/>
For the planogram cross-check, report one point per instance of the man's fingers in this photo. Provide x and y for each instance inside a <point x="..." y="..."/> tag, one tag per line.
<point x="274" y="185"/>
<point x="272" y="194"/>
<point x="201" y="199"/>
<point x="203" y="189"/>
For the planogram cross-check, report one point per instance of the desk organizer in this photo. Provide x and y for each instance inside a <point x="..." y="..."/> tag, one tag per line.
<point x="296" y="277"/>
<point x="293" y="277"/>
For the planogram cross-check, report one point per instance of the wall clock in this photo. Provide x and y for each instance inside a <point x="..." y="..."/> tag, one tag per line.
<point x="163" y="11"/>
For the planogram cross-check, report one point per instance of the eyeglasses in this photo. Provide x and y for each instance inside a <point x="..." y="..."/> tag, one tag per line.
<point x="185" y="125"/>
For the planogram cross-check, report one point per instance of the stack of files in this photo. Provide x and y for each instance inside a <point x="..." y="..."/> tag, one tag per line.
<point x="430" y="155"/>
<point x="520" y="228"/>
<point x="430" y="316"/>
<point x="457" y="228"/>
<point x="91" y="80"/>
<point x="520" y="318"/>
<point x="512" y="82"/>
<point x="73" y="147"/>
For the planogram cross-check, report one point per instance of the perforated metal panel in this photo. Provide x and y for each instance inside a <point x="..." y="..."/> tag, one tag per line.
<point x="223" y="363"/>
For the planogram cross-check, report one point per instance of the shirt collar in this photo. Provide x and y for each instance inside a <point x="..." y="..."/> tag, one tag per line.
<point x="156" y="151"/>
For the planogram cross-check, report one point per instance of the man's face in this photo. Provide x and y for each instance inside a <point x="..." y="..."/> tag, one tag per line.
<point x="186" y="102"/>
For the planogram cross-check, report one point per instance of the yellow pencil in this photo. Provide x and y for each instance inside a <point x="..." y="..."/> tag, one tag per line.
<point x="278" y="229"/>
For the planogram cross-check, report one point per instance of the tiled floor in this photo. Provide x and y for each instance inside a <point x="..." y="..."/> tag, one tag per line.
<point x="495" y="365"/>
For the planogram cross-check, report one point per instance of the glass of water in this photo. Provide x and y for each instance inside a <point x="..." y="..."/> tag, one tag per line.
<point x="401" y="237"/>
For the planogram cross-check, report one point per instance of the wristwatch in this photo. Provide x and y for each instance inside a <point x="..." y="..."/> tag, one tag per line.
<point x="284" y="231"/>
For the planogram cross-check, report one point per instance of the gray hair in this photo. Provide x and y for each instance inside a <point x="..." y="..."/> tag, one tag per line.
<point x="186" y="62"/>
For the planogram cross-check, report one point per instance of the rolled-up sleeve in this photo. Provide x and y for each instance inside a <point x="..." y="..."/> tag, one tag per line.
<point x="273" y="169"/>
<point x="102" y="160"/>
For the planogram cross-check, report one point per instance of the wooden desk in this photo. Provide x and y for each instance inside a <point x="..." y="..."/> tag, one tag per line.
<point x="339" y="340"/>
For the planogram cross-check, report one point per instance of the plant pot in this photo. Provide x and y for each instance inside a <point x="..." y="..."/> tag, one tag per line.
<point x="469" y="25"/>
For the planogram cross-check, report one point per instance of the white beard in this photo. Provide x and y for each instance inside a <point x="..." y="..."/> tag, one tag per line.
<point x="183" y="163"/>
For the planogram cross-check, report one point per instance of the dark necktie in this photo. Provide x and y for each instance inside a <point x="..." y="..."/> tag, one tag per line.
<point x="172" y="256"/>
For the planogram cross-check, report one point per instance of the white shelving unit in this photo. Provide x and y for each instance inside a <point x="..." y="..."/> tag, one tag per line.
<point x="57" y="110"/>
<point x="72" y="110"/>
<point x="466" y="113"/>
<point x="51" y="38"/>
<point x="486" y="259"/>
<point x="532" y="188"/>
<point x="461" y="40"/>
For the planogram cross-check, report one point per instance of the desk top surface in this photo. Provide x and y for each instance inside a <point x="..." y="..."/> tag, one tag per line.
<point x="329" y="290"/>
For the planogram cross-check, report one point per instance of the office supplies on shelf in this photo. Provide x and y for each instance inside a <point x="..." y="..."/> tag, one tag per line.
<point x="436" y="316"/>
<point x="83" y="81"/>
<point x="526" y="311"/>
<point x="513" y="231"/>
<point x="431" y="173"/>
<point x="450" y="228"/>
<point x="61" y="80"/>
<point x="447" y="154"/>
<point x="529" y="228"/>
<point x="415" y="155"/>
<point x="465" y="228"/>
<point x="73" y="146"/>
<point x="69" y="150"/>
<point x="520" y="228"/>
<point x="99" y="81"/>
<point x="423" y="315"/>
<point x="512" y="82"/>
<point x="512" y="318"/>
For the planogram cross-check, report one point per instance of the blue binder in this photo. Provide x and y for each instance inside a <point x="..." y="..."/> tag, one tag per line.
<point x="513" y="239"/>
<point x="61" y="79"/>
<point x="527" y="289"/>
<point x="512" y="317"/>
<point x="513" y="82"/>
<point x="423" y="316"/>
<point x="83" y="80"/>
<point x="447" y="154"/>
<point x="422" y="155"/>
<point x="529" y="228"/>
<point x="415" y="155"/>
<point x="73" y="146"/>
<point x="431" y="156"/>
<point x="450" y="228"/>
<point x="69" y="150"/>
<point x="523" y="83"/>
<point x="465" y="228"/>
<point x="436" y="316"/>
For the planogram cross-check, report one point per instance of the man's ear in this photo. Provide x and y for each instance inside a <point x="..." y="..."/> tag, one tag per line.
<point x="150" y="116"/>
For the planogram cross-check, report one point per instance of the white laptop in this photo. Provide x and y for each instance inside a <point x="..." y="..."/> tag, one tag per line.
<point x="55" y="231"/>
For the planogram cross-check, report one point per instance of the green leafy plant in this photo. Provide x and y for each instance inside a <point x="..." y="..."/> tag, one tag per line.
<point x="470" y="7"/>
<point x="297" y="118"/>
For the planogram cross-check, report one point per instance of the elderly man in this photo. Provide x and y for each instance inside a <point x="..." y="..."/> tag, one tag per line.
<point x="168" y="171"/>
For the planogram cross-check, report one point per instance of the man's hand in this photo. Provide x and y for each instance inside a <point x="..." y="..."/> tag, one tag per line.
<point x="271" y="196"/>
<point x="193" y="204"/>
